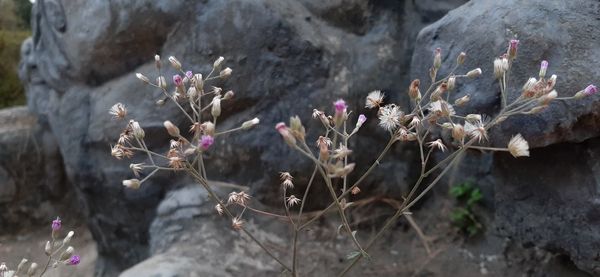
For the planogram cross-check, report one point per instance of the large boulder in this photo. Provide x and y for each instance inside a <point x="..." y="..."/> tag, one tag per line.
<point x="288" y="57"/>
<point x="551" y="199"/>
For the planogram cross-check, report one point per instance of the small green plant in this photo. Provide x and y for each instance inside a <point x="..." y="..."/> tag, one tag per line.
<point x="463" y="216"/>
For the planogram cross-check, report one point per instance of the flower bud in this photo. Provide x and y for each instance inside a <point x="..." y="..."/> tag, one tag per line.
<point x="132" y="183"/>
<point x="461" y="58"/>
<point x="228" y="95"/>
<point x="458" y="132"/>
<point x="206" y="141"/>
<point x="138" y="132"/>
<point x="359" y="122"/>
<point x="512" y="48"/>
<point x="250" y="123"/>
<point x="545" y="99"/>
<point x="296" y="127"/>
<point x="285" y="133"/>
<point x="225" y="72"/>
<point x="473" y="117"/>
<point x="67" y="254"/>
<point x="218" y="62"/>
<point x="413" y="90"/>
<point x="437" y="58"/>
<point x="21" y="265"/>
<point x="68" y="237"/>
<point x="463" y="100"/>
<point x="451" y="83"/>
<point x="500" y="67"/>
<point x="543" y="68"/>
<point x="157" y="61"/>
<point x="175" y="63"/>
<point x="171" y="129"/>
<point x="198" y="82"/>
<point x="192" y="93"/>
<point x="209" y="128"/>
<point x="48" y="248"/>
<point x="32" y="269"/>
<point x="142" y="77"/>
<point x="160" y="102"/>
<point x="552" y="81"/>
<point x="216" y="106"/>
<point x="474" y="73"/>
<point x="161" y="82"/>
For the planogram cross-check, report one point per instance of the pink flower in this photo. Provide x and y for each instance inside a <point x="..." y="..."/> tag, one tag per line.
<point x="285" y="133"/>
<point x="544" y="65"/>
<point x="74" y="260"/>
<point x="177" y="80"/>
<point x="189" y="74"/>
<point x="512" y="48"/>
<point x="56" y="224"/>
<point x="590" y="90"/>
<point x="340" y="106"/>
<point x="206" y="141"/>
<point x="361" y="119"/>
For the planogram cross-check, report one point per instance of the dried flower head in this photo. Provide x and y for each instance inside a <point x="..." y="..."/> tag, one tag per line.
<point x="219" y="209"/>
<point x="413" y="89"/>
<point x="171" y="129"/>
<point x="136" y="168"/>
<point x="292" y="200"/>
<point x="132" y="183"/>
<point x="374" y="99"/>
<point x="237" y="223"/>
<point x="240" y="198"/>
<point x="176" y="161"/>
<point x="437" y="144"/>
<point x="285" y="176"/>
<point x="476" y="129"/>
<point x="355" y="190"/>
<point x="513" y="46"/>
<point x="518" y="146"/>
<point x="118" y="111"/>
<point x="341" y="152"/>
<point x="389" y="117"/>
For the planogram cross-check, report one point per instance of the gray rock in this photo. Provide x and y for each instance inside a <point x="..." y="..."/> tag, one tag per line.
<point x="549" y="200"/>
<point x="288" y="57"/>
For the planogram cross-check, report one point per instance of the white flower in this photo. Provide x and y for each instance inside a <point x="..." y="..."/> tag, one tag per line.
<point x="476" y="130"/>
<point x="389" y="117"/>
<point x="518" y="146"/>
<point x="374" y="99"/>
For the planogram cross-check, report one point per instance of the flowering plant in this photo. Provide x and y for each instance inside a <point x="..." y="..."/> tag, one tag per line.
<point x="431" y="124"/>
<point x="58" y="251"/>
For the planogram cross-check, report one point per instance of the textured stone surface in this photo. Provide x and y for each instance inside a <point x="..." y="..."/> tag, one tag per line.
<point x="551" y="199"/>
<point x="288" y="58"/>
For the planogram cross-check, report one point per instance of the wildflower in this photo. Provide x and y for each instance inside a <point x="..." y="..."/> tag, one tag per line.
<point x="240" y="198"/>
<point x="590" y="90"/>
<point x="340" y="106"/>
<point x="512" y="48"/>
<point x="171" y="129"/>
<point x="361" y="120"/>
<point x="218" y="62"/>
<point x="341" y="152"/>
<point x="500" y="67"/>
<point x="413" y="90"/>
<point x="206" y="141"/>
<point x="389" y="117"/>
<point x="136" y="168"/>
<point x="292" y="200"/>
<point x="476" y="130"/>
<point x="543" y="68"/>
<point x="355" y="190"/>
<point x="177" y="80"/>
<point x="225" y="72"/>
<point x="216" y="106"/>
<point x="132" y="183"/>
<point x="437" y="58"/>
<point x="374" y="99"/>
<point x="142" y="77"/>
<point x="437" y="144"/>
<point x="138" y="132"/>
<point x="463" y="100"/>
<point x="237" y="223"/>
<point x="189" y="75"/>
<point x="474" y="73"/>
<point x="74" y="260"/>
<point x="461" y="58"/>
<point x="285" y="133"/>
<point x="118" y="111"/>
<point x="56" y="224"/>
<point x="175" y="63"/>
<point x="518" y="146"/>
<point x="250" y="123"/>
<point x="219" y="209"/>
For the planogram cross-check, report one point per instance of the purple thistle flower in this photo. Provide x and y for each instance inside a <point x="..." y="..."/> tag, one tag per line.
<point x="206" y="141"/>
<point x="590" y="90"/>
<point x="56" y="224"/>
<point x="177" y="80"/>
<point x="340" y="106"/>
<point x="74" y="260"/>
<point x="189" y="74"/>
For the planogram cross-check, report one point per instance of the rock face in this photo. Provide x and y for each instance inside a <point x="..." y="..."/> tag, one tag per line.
<point x="551" y="199"/>
<point x="288" y="58"/>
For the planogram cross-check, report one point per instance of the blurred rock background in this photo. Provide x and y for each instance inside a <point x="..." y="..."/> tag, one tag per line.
<point x="288" y="57"/>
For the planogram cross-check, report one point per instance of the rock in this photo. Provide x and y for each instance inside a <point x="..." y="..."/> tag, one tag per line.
<point x="550" y="199"/>
<point x="288" y="57"/>
<point x="31" y="172"/>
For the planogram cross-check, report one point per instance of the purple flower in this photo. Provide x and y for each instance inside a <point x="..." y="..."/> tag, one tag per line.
<point x="189" y="74"/>
<point x="340" y="106"/>
<point x="206" y="141"/>
<point x="512" y="48"/>
<point x="74" y="260"/>
<point x="361" y="119"/>
<point x="544" y="65"/>
<point x="56" y="224"/>
<point x="177" y="80"/>
<point x="589" y="90"/>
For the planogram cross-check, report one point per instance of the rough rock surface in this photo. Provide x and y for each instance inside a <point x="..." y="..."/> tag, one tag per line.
<point x="288" y="58"/>
<point x="549" y="200"/>
<point x="31" y="172"/>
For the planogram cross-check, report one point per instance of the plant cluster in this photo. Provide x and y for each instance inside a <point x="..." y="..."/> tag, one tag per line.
<point x="431" y="124"/>
<point x="463" y="215"/>
<point x="58" y="251"/>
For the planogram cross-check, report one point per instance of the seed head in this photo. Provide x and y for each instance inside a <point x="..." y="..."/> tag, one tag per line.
<point x="136" y="168"/>
<point x="292" y="200"/>
<point x="518" y="146"/>
<point x="118" y="111"/>
<point x="237" y="223"/>
<point x="389" y="117"/>
<point x="437" y="144"/>
<point x="374" y="99"/>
